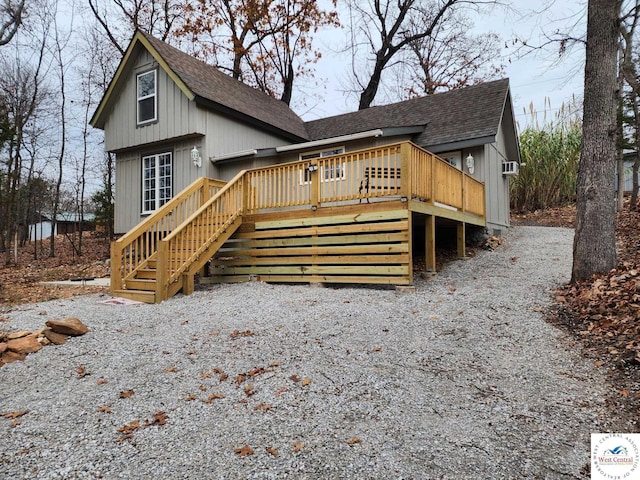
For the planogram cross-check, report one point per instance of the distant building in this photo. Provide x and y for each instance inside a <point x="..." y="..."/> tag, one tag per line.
<point x="67" y="222"/>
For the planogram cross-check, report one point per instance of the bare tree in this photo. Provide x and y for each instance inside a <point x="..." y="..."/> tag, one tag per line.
<point x="120" y="18"/>
<point x="60" y="42"/>
<point x="10" y="19"/>
<point x="388" y="29"/>
<point x="594" y="249"/>
<point x="451" y="57"/>
<point x="22" y="96"/>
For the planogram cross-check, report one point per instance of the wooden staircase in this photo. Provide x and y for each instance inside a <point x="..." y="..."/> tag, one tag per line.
<point x="163" y="253"/>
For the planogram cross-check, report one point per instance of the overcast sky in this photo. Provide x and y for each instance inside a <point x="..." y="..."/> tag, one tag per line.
<point x="534" y="77"/>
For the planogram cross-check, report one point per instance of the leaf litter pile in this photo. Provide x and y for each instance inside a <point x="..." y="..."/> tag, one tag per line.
<point x="604" y="314"/>
<point x="21" y="283"/>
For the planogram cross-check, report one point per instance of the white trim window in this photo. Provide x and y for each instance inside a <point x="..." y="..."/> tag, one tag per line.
<point x="156" y="181"/>
<point x="331" y="173"/>
<point x="147" y="106"/>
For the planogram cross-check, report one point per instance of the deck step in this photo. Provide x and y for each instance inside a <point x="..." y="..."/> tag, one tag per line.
<point x="146" y="273"/>
<point x="141" y="284"/>
<point x="137" y="295"/>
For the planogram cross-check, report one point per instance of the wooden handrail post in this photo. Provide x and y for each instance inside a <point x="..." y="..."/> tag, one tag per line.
<point x="204" y="189"/>
<point x="246" y="194"/>
<point x="314" y="170"/>
<point x="405" y="170"/>
<point x="162" y="267"/>
<point x="116" y="267"/>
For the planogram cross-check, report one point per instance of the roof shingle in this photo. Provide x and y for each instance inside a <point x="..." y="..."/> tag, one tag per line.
<point x="467" y="113"/>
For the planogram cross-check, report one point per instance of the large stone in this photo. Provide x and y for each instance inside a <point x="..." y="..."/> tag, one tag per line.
<point x="67" y="326"/>
<point x="10" y="357"/>
<point x="55" y="338"/>
<point x="28" y="344"/>
<point x="20" y="334"/>
<point x="3" y="347"/>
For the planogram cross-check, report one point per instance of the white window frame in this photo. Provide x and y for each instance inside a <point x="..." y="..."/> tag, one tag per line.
<point x="154" y="95"/>
<point x="319" y="154"/>
<point x="453" y="158"/>
<point x="157" y="188"/>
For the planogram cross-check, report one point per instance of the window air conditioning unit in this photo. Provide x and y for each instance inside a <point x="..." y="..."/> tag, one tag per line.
<point x="510" y="168"/>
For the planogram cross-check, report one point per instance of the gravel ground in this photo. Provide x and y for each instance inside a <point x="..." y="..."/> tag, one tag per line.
<point x="461" y="379"/>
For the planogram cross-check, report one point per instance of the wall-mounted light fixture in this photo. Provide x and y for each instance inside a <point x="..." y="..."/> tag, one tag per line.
<point x="470" y="164"/>
<point x="195" y="157"/>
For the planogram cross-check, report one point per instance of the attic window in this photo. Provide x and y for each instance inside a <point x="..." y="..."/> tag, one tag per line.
<point x="147" y="105"/>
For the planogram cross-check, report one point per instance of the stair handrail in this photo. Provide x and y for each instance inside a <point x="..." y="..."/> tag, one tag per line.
<point x="195" y="234"/>
<point x="138" y="245"/>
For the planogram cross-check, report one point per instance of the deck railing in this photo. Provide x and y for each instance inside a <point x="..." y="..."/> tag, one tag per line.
<point x="134" y="249"/>
<point x="397" y="170"/>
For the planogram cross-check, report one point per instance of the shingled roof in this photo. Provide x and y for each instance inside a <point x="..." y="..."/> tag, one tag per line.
<point x="464" y="114"/>
<point x="213" y="89"/>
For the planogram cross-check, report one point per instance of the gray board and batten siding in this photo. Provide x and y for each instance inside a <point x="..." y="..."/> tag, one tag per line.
<point x="180" y="126"/>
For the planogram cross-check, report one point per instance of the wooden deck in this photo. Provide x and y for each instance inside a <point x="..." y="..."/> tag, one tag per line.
<point x="340" y="219"/>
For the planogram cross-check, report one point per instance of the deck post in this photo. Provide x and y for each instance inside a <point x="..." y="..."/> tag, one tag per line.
<point x="405" y="170"/>
<point x="430" y="243"/>
<point x="162" y="267"/>
<point x="461" y="240"/>
<point x="464" y="192"/>
<point x="116" y="267"/>
<point x="315" y="183"/>
<point x="188" y="283"/>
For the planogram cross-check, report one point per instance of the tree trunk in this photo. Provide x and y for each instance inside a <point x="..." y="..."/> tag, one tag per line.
<point x="594" y="247"/>
<point x="369" y="93"/>
<point x="634" y="191"/>
<point x="620" y="136"/>
<point x="636" y="163"/>
<point x="287" y="85"/>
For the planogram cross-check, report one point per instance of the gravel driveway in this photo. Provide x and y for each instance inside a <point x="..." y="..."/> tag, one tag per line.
<point x="461" y="379"/>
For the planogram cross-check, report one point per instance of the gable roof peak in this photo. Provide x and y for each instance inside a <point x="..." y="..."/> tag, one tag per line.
<point x="209" y="87"/>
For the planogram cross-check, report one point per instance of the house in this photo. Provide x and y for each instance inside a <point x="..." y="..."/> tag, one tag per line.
<point x="66" y="223"/>
<point x="172" y="120"/>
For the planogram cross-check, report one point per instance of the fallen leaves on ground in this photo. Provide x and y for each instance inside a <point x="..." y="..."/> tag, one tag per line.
<point x="159" y="418"/>
<point x="354" y="441"/>
<point x="238" y="333"/>
<point x="563" y="216"/>
<point x="272" y="451"/>
<point x="603" y="313"/>
<point x="214" y="396"/>
<point x="14" y="415"/>
<point x="244" y="451"/>
<point x="126" y="393"/>
<point x="20" y="283"/>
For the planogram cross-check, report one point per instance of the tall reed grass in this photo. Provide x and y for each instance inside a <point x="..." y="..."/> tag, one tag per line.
<point x="551" y="154"/>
